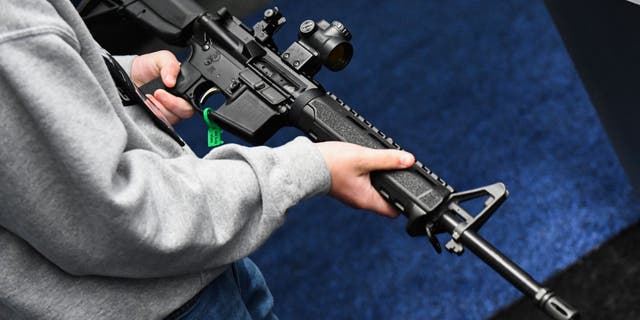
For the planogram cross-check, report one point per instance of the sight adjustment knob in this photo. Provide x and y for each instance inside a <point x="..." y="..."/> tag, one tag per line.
<point x="337" y="25"/>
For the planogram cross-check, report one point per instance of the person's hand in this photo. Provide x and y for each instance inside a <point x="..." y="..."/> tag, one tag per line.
<point x="165" y="65"/>
<point x="350" y="165"/>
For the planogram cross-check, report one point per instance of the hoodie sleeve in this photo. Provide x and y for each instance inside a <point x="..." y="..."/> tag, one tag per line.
<point x="77" y="186"/>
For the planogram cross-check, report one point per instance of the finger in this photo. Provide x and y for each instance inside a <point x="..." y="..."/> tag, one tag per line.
<point x="169" y="74"/>
<point x="170" y="116"/>
<point x="378" y="204"/>
<point x="385" y="159"/>
<point x="169" y="67"/>
<point x="149" y="66"/>
<point x="176" y="105"/>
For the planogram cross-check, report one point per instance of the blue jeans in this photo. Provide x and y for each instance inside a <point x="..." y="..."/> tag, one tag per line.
<point x="239" y="293"/>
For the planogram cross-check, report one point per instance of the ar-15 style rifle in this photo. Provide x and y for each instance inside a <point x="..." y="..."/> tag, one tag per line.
<point x="265" y="90"/>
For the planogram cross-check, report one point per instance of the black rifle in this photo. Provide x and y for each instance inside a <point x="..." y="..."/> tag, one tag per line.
<point x="266" y="90"/>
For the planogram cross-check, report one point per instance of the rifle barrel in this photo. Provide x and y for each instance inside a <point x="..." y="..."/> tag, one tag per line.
<point x="545" y="299"/>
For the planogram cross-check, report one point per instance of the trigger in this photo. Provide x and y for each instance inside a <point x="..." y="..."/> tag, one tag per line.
<point x="208" y="94"/>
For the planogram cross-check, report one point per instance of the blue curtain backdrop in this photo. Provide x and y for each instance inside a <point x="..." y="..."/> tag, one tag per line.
<point x="480" y="91"/>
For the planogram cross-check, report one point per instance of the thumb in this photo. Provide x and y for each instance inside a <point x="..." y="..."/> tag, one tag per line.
<point x="169" y="73"/>
<point x="168" y="65"/>
<point x="386" y="159"/>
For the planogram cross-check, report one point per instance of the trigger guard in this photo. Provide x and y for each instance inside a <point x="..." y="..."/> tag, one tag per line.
<point x="199" y="93"/>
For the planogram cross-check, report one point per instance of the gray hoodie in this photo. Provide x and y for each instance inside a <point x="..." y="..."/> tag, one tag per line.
<point x="102" y="214"/>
